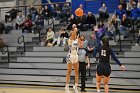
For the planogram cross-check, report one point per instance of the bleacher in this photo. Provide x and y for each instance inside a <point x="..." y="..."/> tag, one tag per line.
<point x="40" y="65"/>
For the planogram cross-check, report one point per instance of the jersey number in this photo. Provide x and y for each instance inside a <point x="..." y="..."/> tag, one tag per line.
<point x="103" y="52"/>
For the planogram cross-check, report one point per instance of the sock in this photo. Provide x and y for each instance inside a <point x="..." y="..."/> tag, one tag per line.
<point x="98" y="90"/>
<point x="67" y="85"/>
<point x="76" y="84"/>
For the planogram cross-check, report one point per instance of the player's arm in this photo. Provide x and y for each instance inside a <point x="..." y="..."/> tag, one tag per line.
<point x="116" y="60"/>
<point x="97" y="37"/>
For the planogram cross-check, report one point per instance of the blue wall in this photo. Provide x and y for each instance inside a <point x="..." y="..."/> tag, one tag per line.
<point x="92" y="6"/>
<point x="45" y="1"/>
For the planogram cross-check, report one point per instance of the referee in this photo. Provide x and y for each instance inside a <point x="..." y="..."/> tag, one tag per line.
<point x="83" y="58"/>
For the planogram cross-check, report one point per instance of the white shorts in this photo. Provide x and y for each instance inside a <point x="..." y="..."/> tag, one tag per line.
<point x="73" y="59"/>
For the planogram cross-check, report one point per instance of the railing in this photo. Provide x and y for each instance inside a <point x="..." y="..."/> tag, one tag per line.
<point x="120" y="42"/>
<point x="23" y="41"/>
<point x="37" y="30"/>
<point x="133" y="29"/>
<point x="51" y="23"/>
<point x="7" y="51"/>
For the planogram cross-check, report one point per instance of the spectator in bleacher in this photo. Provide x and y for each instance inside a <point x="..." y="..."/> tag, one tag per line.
<point x="33" y="12"/>
<point x="126" y="23"/>
<point x="49" y="37"/>
<point x="91" y="45"/>
<point x="63" y="37"/>
<point x="46" y="12"/>
<point x="57" y="11"/>
<point x="120" y="11"/>
<point x="135" y="13"/>
<point x="84" y="40"/>
<point x="90" y="20"/>
<point x="27" y="25"/>
<point x="79" y="11"/>
<point x="116" y="22"/>
<point x="65" y="10"/>
<point x="75" y="29"/>
<point x="103" y="12"/>
<point x="111" y="32"/>
<point x="2" y="27"/>
<point x="130" y="6"/>
<point x="67" y="16"/>
<point x="72" y="20"/>
<point x="56" y="40"/>
<point x="39" y="20"/>
<point x="12" y="14"/>
<point x="20" y="20"/>
<point x="80" y="22"/>
<point x="102" y="29"/>
<point x="123" y="3"/>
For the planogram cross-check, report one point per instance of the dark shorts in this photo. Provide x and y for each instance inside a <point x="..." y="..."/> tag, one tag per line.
<point x="104" y="69"/>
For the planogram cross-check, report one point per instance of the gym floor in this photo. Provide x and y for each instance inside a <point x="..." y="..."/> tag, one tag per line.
<point x="46" y="89"/>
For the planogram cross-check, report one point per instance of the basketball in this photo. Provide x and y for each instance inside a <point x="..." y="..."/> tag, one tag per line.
<point x="79" y="12"/>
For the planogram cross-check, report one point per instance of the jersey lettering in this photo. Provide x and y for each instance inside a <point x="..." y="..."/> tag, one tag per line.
<point x="103" y="52"/>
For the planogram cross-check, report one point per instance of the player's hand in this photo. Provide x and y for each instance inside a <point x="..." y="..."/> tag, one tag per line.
<point x="88" y="66"/>
<point x="123" y="67"/>
<point x="96" y="28"/>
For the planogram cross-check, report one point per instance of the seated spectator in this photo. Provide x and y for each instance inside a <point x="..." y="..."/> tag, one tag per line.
<point x="130" y="7"/>
<point x="2" y="27"/>
<point x="39" y="20"/>
<point x="110" y="31"/>
<point x="126" y="23"/>
<point x="33" y="12"/>
<point x="46" y="12"/>
<point x="65" y="8"/>
<point x="12" y="14"/>
<point x="67" y="16"/>
<point x="80" y="22"/>
<point x="103" y="12"/>
<point x="20" y="20"/>
<point x="85" y="42"/>
<point x="27" y="25"/>
<point x="90" y="20"/>
<point x="49" y="37"/>
<point x="123" y="3"/>
<point x="116" y="23"/>
<point x="135" y="13"/>
<point x="79" y="11"/>
<point x="102" y="29"/>
<point x="64" y="37"/>
<point x="57" y="11"/>
<point x="91" y="45"/>
<point x="72" y="20"/>
<point x="120" y="11"/>
<point x="61" y="38"/>
<point x="75" y="30"/>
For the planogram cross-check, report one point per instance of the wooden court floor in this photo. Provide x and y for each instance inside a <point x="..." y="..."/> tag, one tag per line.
<point x="46" y="89"/>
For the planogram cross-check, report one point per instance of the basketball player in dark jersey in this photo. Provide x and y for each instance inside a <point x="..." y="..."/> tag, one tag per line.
<point x="103" y="67"/>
